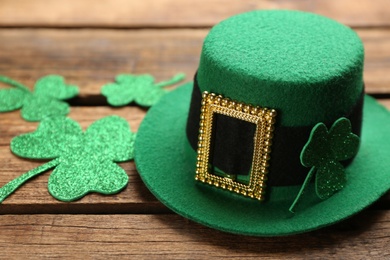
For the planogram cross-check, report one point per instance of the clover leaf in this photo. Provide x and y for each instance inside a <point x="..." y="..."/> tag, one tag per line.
<point x="84" y="161"/>
<point x="137" y="88"/>
<point x="323" y="152"/>
<point x="45" y="101"/>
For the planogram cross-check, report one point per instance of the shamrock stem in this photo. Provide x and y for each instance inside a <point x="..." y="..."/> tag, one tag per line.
<point x="13" y="83"/>
<point x="11" y="186"/>
<point x="302" y="190"/>
<point x="175" y="79"/>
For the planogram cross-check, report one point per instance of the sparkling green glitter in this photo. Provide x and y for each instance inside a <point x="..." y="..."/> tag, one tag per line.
<point x="323" y="152"/>
<point x="45" y="101"/>
<point x="85" y="162"/>
<point x="141" y="89"/>
<point x="13" y="185"/>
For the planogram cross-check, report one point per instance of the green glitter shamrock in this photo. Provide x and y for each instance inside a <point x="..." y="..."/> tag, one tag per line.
<point x="45" y="101"/>
<point x="323" y="152"/>
<point x="84" y="161"/>
<point x="141" y="89"/>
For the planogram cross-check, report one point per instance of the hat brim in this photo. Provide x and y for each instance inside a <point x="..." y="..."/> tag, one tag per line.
<point x="166" y="164"/>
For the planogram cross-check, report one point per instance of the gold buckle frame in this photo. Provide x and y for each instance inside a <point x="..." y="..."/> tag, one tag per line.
<point x="264" y="120"/>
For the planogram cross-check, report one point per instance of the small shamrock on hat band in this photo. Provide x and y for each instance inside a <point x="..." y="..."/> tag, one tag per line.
<point x="46" y="100"/>
<point x="323" y="152"/>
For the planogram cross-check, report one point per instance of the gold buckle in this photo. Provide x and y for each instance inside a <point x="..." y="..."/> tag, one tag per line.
<point x="264" y="120"/>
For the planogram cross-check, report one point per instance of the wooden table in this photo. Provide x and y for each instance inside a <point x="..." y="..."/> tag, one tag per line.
<point x="90" y="43"/>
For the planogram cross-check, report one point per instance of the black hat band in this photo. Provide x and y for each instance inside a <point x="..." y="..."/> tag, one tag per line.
<point x="232" y="143"/>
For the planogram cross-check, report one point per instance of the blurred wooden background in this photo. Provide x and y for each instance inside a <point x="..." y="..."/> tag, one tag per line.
<point x="89" y="42"/>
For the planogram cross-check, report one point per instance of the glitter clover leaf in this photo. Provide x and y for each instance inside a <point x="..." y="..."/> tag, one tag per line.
<point x="84" y="161"/>
<point x="140" y="89"/>
<point x="45" y="101"/>
<point x="323" y="152"/>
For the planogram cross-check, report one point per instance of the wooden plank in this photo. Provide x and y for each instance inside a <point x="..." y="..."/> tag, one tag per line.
<point x="385" y="102"/>
<point x="366" y="236"/>
<point x="377" y="62"/>
<point x="92" y="58"/>
<point x="173" y="13"/>
<point x="33" y="197"/>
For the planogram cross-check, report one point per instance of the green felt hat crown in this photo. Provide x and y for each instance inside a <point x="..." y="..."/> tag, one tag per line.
<point x="308" y="69"/>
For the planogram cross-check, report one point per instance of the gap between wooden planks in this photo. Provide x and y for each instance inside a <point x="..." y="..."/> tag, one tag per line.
<point x="173" y="13"/>
<point x="364" y="236"/>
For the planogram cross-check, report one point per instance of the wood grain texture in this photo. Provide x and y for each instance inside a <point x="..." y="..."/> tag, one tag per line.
<point x="92" y="58"/>
<point x="366" y="236"/>
<point x="33" y="196"/>
<point x="171" y="13"/>
<point x="92" y="41"/>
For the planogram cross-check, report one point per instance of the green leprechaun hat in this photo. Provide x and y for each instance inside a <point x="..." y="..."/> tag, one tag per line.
<point x="272" y="137"/>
